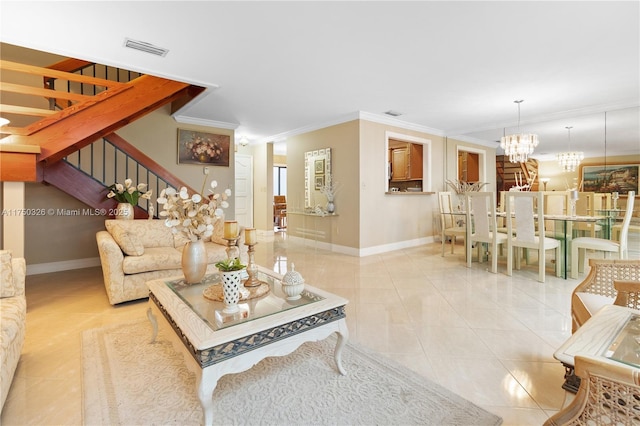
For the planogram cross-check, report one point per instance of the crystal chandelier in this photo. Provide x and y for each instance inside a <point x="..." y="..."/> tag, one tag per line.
<point x="519" y="146"/>
<point x="571" y="159"/>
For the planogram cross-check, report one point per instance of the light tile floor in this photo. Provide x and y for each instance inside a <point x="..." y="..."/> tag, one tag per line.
<point x="489" y="338"/>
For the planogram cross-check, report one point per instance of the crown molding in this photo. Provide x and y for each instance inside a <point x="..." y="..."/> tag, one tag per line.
<point x="280" y="137"/>
<point x="357" y="115"/>
<point x="183" y="119"/>
<point x="475" y="141"/>
<point x="390" y="121"/>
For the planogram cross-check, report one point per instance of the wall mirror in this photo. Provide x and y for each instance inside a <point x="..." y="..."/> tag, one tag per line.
<point x="317" y="169"/>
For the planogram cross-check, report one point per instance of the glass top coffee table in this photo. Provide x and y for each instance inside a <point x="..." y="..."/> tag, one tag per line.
<point x="613" y="332"/>
<point x="270" y="325"/>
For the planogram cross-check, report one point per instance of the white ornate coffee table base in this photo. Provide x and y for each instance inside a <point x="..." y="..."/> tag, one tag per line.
<point x="242" y="353"/>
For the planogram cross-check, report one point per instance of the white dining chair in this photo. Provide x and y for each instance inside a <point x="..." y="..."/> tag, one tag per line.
<point x="556" y="203"/>
<point x="481" y="223"/>
<point x="447" y="221"/>
<point x="585" y="207"/>
<point x="601" y="201"/>
<point x="528" y="208"/>
<point x="579" y="246"/>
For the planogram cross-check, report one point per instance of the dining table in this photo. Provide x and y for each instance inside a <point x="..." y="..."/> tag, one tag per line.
<point x="563" y="231"/>
<point x="609" y="218"/>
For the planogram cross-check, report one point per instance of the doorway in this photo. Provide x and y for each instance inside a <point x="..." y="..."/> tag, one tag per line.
<point x="244" y="190"/>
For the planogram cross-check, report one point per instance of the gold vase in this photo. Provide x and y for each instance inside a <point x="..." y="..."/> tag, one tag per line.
<point x="194" y="261"/>
<point x="124" y="211"/>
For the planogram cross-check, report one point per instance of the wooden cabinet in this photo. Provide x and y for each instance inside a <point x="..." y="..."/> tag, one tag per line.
<point x="406" y="162"/>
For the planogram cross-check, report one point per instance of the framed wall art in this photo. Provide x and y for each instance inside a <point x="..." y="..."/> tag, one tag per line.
<point x="319" y="182"/>
<point x="203" y="148"/>
<point x="319" y="167"/>
<point x="620" y="178"/>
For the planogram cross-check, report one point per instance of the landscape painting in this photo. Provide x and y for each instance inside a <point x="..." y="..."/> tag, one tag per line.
<point x="620" y="178"/>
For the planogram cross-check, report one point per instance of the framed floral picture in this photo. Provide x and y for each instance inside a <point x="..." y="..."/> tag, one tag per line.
<point x="319" y="181"/>
<point x="203" y="148"/>
<point x="620" y="178"/>
<point x="319" y="167"/>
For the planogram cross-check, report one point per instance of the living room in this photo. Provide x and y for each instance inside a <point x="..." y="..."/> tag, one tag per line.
<point x="373" y="232"/>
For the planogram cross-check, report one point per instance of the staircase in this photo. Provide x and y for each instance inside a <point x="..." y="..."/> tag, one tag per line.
<point x="108" y="160"/>
<point x="84" y="103"/>
<point x="507" y="172"/>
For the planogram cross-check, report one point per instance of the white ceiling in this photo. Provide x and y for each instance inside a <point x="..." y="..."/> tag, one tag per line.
<point x="453" y="67"/>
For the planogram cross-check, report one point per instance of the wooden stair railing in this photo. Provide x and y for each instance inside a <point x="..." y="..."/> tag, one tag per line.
<point x="78" y="101"/>
<point x="89" y="117"/>
<point x="90" y="186"/>
<point x="145" y="95"/>
<point x="71" y="65"/>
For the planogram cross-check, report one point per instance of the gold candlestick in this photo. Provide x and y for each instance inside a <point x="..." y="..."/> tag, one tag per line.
<point x="252" y="268"/>
<point x="233" y="251"/>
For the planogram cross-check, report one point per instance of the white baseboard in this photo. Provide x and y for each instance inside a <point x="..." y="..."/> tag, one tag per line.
<point x="351" y="251"/>
<point x="395" y="246"/>
<point x="65" y="265"/>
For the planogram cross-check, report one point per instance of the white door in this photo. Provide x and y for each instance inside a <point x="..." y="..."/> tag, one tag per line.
<point x="244" y="190"/>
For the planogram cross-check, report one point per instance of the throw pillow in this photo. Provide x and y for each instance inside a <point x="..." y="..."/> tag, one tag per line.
<point x="218" y="232"/>
<point x="128" y="242"/>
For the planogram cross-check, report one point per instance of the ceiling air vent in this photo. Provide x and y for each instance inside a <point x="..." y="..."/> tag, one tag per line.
<point x="393" y="113"/>
<point x="145" y="47"/>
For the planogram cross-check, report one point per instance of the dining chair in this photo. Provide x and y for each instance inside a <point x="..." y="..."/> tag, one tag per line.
<point x="585" y="207"/>
<point x="482" y="225"/>
<point x="580" y="245"/>
<point x="528" y="208"/>
<point x="555" y="203"/>
<point x="601" y="201"/>
<point x="447" y="221"/>
<point x="280" y="211"/>
<point x="616" y="229"/>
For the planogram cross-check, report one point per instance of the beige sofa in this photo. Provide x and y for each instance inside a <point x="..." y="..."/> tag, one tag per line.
<point x="13" y="317"/>
<point x="133" y="252"/>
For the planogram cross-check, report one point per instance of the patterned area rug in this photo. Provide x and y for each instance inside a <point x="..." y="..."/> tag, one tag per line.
<point x="129" y="381"/>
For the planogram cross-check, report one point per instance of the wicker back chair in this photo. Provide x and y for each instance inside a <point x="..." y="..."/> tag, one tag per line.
<point x="598" y="288"/>
<point x="628" y="294"/>
<point x="609" y="393"/>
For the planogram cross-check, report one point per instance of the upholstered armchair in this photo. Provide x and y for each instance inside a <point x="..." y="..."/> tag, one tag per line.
<point x="13" y="317"/>
<point x="599" y="288"/>
<point x="609" y="393"/>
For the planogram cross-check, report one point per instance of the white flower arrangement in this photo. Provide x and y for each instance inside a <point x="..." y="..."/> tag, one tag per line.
<point x="193" y="215"/>
<point x="128" y="193"/>
<point x="461" y="187"/>
<point x="329" y="189"/>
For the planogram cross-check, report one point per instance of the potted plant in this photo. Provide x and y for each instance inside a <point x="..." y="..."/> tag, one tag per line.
<point x="230" y="265"/>
<point x="231" y="271"/>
